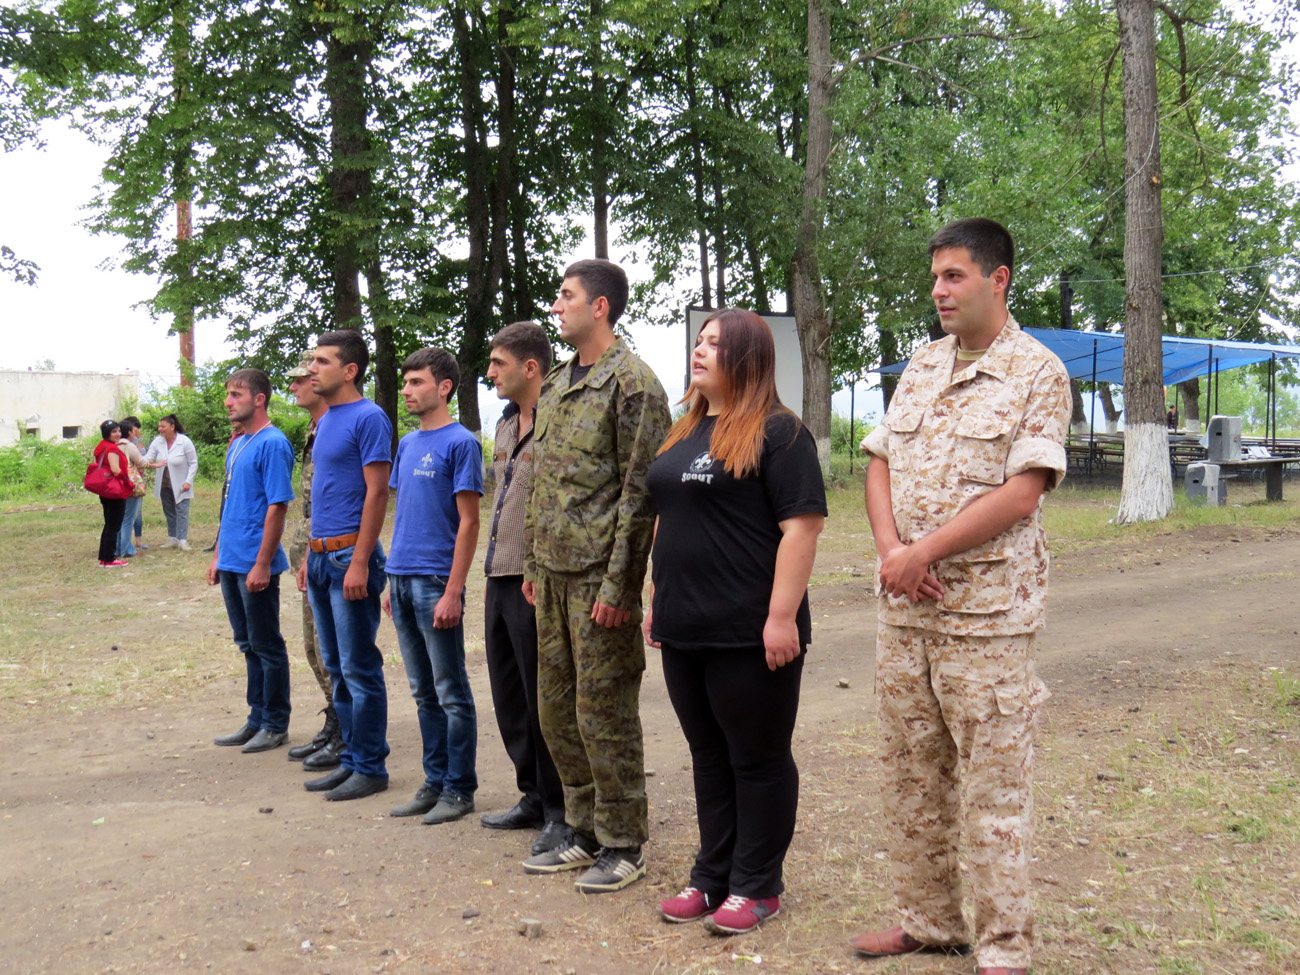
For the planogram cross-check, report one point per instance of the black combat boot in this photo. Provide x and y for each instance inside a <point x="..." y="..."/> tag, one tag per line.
<point x="330" y="731"/>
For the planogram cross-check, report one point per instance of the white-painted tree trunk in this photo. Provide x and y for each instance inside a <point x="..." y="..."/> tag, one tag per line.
<point x="1112" y="426"/>
<point x="1079" y="429"/>
<point x="1148" y="491"/>
<point x="824" y="452"/>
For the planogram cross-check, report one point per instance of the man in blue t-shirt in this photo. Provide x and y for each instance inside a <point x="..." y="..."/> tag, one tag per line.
<point x="344" y="572"/>
<point x="248" y="559"/>
<point x="438" y="477"/>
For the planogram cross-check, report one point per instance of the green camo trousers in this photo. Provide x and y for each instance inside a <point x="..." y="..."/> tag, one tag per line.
<point x="589" y="703"/>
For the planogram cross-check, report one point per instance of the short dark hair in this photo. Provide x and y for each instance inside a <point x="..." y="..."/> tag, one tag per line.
<point x="440" y="363"/>
<point x="601" y="279"/>
<point x="352" y="349"/>
<point x="107" y="427"/>
<point x="524" y="341"/>
<point x="128" y="423"/>
<point x="254" y="380"/>
<point x="174" y="420"/>
<point x="989" y="243"/>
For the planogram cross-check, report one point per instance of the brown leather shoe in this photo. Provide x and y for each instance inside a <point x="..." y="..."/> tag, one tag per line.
<point x="896" y="941"/>
<point x="1001" y="971"/>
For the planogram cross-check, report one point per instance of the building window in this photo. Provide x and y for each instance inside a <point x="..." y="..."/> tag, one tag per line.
<point x="71" y="433"/>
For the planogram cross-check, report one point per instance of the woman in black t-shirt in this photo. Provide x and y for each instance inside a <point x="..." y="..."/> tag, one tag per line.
<point x="740" y="502"/>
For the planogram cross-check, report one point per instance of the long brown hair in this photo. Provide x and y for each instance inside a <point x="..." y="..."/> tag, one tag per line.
<point x="747" y="375"/>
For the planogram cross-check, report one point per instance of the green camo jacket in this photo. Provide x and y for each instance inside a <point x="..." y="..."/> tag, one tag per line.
<point x="592" y="446"/>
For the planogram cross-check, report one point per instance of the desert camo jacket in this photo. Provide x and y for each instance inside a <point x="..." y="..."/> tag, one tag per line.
<point x="950" y="437"/>
<point x="592" y="444"/>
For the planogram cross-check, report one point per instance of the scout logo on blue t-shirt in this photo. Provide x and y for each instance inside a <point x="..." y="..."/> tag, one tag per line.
<point x="699" y="466"/>
<point x="425" y="462"/>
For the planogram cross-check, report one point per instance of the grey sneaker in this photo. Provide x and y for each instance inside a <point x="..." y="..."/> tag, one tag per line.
<point x="613" y="870"/>
<point x="424" y="800"/>
<point x="581" y="852"/>
<point x="450" y="807"/>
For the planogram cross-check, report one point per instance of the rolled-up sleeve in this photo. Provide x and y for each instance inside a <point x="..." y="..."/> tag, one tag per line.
<point x="876" y="443"/>
<point x="1040" y="438"/>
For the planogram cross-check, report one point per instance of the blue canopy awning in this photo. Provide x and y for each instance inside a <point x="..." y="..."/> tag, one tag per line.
<point x="1099" y="356"/>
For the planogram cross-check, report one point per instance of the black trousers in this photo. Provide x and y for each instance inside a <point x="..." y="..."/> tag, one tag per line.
<point x="738" y="718"/>
<point x="114" y="512"/>
<point x="510" y="642"/>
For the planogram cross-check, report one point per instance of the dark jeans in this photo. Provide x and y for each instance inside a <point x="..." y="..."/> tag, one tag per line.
<point x="510" y="639"/>
<point x="435" y="669"/>
<point x="738" y="718"/>
<point x="255" y="621"/>
<point x="346" y="629"/>
<point x="114" y="509"/>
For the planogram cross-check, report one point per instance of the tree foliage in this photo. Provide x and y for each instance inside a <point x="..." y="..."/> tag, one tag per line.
<point x="420" y="168"/>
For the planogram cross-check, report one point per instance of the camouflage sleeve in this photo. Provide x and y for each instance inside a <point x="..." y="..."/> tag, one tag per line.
<point x="876" y="443"/>
<point x="642" y="423"/>
<point x="1040" y="439"/>
<point x="530" y="560"/>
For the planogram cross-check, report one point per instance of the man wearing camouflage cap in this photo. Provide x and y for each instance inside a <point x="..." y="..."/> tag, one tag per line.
<point x="322" y="752"/>
<point x="973" y="439"/>
<point x="588" y="527"/>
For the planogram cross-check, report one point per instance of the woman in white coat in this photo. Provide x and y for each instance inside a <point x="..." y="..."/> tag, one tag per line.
<point x="175" y="453"/>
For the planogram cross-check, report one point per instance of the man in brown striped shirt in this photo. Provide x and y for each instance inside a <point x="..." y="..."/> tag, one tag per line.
<point x="519" y="359"/>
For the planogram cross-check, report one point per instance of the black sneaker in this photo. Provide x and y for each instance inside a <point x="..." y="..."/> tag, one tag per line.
<point x="613" y="870"/>
<point x="580" y="853"/>
<point x="424" y="800"/>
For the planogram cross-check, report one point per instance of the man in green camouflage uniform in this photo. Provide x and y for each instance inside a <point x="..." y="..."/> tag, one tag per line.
<point x="322" y="752"/>
<point x="973" y="438"/>
<point x="588" y="528"/>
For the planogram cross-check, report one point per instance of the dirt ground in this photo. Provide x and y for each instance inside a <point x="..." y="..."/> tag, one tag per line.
<point x="1168" y="805"/>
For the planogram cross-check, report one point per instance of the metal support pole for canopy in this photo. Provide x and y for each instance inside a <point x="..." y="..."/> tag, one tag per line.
<point x="1209" y="370"/>
<point x="1092" y="413"/>
<point x="1270" y="422"/>
<point x="853" y="444"/>
<point x="1216" y="385"/>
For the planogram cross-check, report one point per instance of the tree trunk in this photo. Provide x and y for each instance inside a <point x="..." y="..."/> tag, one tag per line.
<point x="812" y="318"/>
<point x="385" y="359"/>
<point x="1147" y="493"/>
<point x="1190" y="395"/>
<point x="349" y="178"/>
<point x="697" y="166"/>
<point x="481" y="277"/>
<point x="599" y="134"/>
<point x="183" y="193"/>
<point x="1109" y="410"/>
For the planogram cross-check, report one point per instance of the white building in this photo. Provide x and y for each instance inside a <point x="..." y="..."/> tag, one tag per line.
<point x="60" y="405"/>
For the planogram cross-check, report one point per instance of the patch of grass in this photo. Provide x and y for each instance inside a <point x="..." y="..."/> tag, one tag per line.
<point x="1181" y="966"/>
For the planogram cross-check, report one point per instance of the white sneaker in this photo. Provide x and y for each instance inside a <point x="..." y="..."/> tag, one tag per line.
<point x="183" y="545"/>
<point x="170" y="543"/>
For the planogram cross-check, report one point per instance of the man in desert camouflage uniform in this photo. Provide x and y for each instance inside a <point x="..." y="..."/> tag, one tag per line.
<point x="973" y="438"/>
<point x="322" y="752"/>
<point x="588" y="527"/>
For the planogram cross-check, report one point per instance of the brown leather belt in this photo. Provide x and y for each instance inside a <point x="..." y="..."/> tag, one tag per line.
<point x="319" y="545"/>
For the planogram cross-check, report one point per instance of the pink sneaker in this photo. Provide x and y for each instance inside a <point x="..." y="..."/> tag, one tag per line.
<point x="740" y="915"/>
<point x="114" y="564"/>
<point x="689" y="905"/>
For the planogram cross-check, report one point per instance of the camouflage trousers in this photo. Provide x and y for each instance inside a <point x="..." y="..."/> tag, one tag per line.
<point x="589" y="705"/>
<point x="310" y="645"/>
<point x="956" y="728"/>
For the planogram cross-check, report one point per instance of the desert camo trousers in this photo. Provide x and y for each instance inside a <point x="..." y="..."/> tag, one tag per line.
<point x="956" y="720"/>
<point x="589" y="708"/>
<point x="310" y="646"/>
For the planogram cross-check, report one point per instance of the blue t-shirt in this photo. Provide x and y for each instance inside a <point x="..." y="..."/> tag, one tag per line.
<point x="432" y="467"/>
<point x="259" y="473"/>
<point x="348" y="437"/>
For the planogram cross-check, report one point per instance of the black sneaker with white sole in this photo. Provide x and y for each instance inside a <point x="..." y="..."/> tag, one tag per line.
<point x="613" y="870"/>
<point x="572" y="856"/>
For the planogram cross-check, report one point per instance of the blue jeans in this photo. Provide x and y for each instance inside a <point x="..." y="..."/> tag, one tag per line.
<point x="255" y="620"/>
<point x="124" y="546"/>
<point x="435" y="667"/>
<point x="345" y="631"/>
